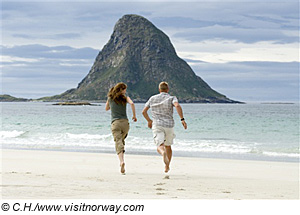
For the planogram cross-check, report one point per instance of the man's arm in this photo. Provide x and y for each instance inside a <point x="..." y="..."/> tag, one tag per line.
<point x="145" y="114"/>
<point x="180" y="113"/>
<point x="132" y="107"/>
<point x="107" y="107"/>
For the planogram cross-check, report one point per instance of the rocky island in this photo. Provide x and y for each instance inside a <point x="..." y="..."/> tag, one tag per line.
<point x="140" y="55"/>
<point x="73" y="103"/>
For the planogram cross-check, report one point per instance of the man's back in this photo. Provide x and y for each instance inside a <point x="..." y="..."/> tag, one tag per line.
<point x="162" y="114"/>
<point x="162" y="109"/>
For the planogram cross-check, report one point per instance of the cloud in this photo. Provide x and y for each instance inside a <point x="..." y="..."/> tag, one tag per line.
<point x="37" y="70"/>
<point x="229" y="51"/>
<point x="219" y="32"/>
<point x="253" y="81"/>
<point x="53" y="37"/>
<point x="249" y="70"/>
<point x="193" y="61"/>
<point x="36" y="51"/>
<point x="50" y="46"/>
<point x="188" y="22"/>
<point x="229" y="20"/>
<point x="24" y="36"/>
<point x="242" y="22"/>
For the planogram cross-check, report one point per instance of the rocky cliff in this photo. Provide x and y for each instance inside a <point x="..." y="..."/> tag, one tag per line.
<point x="141" y="55"/>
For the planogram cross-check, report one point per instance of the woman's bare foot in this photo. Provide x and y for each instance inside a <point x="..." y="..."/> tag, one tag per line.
<point x="122" y="165"/>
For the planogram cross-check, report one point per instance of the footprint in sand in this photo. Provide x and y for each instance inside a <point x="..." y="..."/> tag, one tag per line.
<point x="95" y="179"/>
<point x="158" y="184"/>
<point x="160" y="193"/>
<point x="226" y="192"/>
<point x="181" y="189"/>
<point x="166" y="177"/>
<point x="160" y="188"/>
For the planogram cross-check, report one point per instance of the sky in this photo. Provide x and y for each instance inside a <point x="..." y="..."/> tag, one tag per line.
<point x="246" y="50"/>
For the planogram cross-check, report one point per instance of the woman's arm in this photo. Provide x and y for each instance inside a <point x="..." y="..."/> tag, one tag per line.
<point x="107" y="107"/>
<point x="132" y="107"/>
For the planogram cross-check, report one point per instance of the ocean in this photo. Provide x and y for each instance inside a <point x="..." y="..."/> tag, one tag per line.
<point x="231" y="131"/>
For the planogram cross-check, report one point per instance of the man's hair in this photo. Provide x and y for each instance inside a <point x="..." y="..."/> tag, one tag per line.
<point x="163" y="86"/>
<point x="115" y="93"/>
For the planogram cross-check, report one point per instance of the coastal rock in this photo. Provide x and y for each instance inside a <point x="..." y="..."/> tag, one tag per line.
<point x="141" y="55"/>
<point x="72" y="103"/>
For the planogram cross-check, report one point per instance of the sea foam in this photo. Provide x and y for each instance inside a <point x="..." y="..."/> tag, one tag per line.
<point x="11" y="134"/>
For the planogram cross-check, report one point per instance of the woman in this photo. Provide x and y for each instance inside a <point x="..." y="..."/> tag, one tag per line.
<point x="116" y="102"/>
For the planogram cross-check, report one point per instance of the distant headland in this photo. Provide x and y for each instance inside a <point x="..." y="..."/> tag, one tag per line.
<point x="9" y="98"/>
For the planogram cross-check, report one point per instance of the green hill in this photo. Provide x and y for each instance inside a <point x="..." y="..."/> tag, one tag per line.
<point x="8" y="98"/>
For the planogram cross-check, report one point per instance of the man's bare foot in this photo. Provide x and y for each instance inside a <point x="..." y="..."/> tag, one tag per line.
<point x="167" y="168"/>
<point x="122" y="168"/>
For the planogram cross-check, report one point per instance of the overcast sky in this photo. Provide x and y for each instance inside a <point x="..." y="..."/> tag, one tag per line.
<point x="248" y="51"/>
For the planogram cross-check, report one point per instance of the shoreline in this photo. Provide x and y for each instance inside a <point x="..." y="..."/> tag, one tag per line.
<point x="217" y="155"/>
<point x="37" y="174"/>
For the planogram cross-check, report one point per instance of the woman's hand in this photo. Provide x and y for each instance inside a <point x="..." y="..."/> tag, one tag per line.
<point x="134" y="119"/>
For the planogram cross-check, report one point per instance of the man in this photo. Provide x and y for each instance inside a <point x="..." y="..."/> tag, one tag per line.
<point x="163" y="123"/>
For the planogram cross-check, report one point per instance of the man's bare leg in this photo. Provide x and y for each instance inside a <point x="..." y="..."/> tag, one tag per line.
<point x="169" y="154"/>
<point x="122" y="163"/>
<point x="161" y="150"/>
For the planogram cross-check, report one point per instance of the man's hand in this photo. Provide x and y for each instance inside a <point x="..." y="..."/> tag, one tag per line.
<point x="184" y="124"/>
<point x="145" y="114"/>
<point x="180" y="113"/>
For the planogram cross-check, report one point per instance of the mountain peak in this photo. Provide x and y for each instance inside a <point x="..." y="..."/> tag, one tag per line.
<point x="136" y="30"/>
<point x="132" y="19"/>
<point x="141" y="55"/>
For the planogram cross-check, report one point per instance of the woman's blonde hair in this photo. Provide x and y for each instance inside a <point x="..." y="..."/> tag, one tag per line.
<point x="115" y="93"/>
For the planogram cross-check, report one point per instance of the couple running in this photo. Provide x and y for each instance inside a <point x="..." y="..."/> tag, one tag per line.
<point x="162" y="125"/>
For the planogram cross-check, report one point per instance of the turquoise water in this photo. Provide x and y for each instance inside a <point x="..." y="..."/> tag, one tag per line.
<point x="250" y="131"/>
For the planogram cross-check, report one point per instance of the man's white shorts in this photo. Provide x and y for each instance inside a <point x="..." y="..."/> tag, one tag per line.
<point x="163" y="135"/>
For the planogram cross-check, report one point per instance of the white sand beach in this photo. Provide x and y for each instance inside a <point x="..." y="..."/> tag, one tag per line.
<point x="73" y="175"/>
